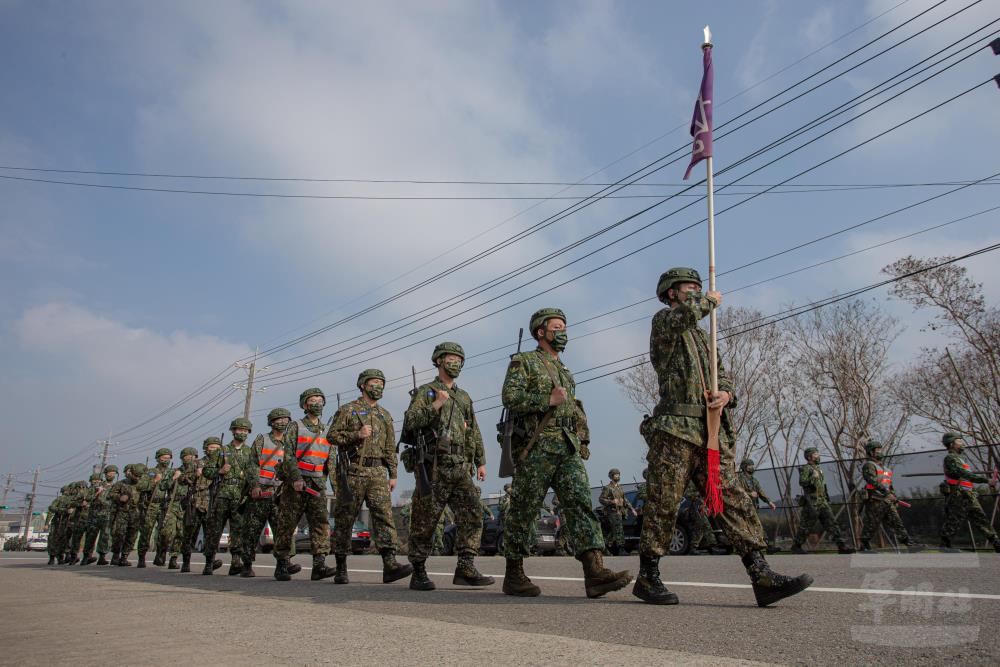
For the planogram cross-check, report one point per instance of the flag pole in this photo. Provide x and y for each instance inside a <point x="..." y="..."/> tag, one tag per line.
<point x="713" y="326"/>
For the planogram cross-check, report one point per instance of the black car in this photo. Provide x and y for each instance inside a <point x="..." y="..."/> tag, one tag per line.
<point x="492" y="541"/>
<point x="360" y="538"/>
<point x="680" y="542"/>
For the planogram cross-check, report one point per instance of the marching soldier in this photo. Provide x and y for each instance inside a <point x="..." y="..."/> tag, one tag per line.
<point x="171" y="538"/>
<point x="815" y="503"/>
<point x="126" y="496"/>
<point x="303" y="489"/>
<point x="677" y="436"/>
<point x="504" y="504"/>
<point x="363" y="429"/>
<point x="230" y="493"/>
<point x="962" y="504"/>
<point x="444" y="413"/>
<point x="616" y="508"/>
<point x="697" y="520"/>
<point x="198" y="502"/>
<point x="752" y="486"/>
<point x="447" y="518"/>
<point x="268" y="451"/>
<point x="880" y="501"/>
<point x="57" y="518"/>
<point x="76" y="528"/>
<point x="162" y="481"/>
<point x="99" y="520"/>
<point x="539" y="392"/>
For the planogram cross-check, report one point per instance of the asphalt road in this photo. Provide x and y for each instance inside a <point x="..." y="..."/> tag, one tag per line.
<point x="885" y="609"/>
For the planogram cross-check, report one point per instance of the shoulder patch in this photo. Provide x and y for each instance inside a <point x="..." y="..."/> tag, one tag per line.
<point x="514" y="363"/>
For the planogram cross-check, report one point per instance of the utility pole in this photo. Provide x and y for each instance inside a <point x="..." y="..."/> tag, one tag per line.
<point x="31" y="504"/>
<point x="6" y="488"/>
<point x="248" y="385"/>
<point x="104" y="455"/>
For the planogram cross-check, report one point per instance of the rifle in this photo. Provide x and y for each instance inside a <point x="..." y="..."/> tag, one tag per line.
<point x="420" y="449"/>
<point x="213" y="489"/>
<point x="343" y="463"/>
<point x="505" y="429"/>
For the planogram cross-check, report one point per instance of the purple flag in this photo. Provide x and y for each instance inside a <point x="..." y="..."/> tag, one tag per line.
<point x="701" y="122"/>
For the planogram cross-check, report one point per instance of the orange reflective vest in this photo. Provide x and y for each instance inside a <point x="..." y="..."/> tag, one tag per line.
<point x="883" y="479"/>
<point x="311" y="451"/>
<point x="964" y="483"/>
<point x="271" y="455"/>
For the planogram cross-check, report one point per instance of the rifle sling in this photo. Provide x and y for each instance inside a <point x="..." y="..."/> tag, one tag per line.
<point x="549" y="414"/>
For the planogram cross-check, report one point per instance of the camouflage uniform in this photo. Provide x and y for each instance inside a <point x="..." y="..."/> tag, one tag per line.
<point x="78" y="528"/>
<point x="752" y="486"/>
<point x="197" y="501"/>
<point x="292" y="505"/>
<point x="126" y="515"/>
<point x="453" y="434"/>
<point x="616" y="508"/>
<point x="563" y="547"/>
<point x="880" y="505"/>
<point x="815" y="502"/>
<point x="677" y="436"/>
<point x="447" y="518"/>
<point x="154" y="508"/>
<point x="370" y="459"/>
<point x="504" y="504"/>
<point x="697" y="519"/>
<point x="99" y="518"/>
<point x="962" y="504"/>
<point x="229" y="498"/>
<point x="263" y="509"/>
<point x="57" y="519"/>
<point x="172" y="538"/>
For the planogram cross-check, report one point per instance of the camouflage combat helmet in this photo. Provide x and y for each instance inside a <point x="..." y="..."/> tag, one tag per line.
<point x="950" y="437"/>
<point x="809" y="451"/>
<point x="613" y="472"/>
<point x="128" y="468"/>
<point x="210" y="440"/>
<point x="368" y="374"/>
<point x="542" y="316"/>
<point x="139" y="469"/>
<point x="746" y="463"/>
<point x="447" y="348"/>
<point x="188" y="451"/>
<point x="309" y="393"/>
<point x="111" y="467"/>
<point x="508" y="487"/>
<point x="63" y="489"/>
<point x="240" y="422"/>
<point x="81" y="484"/>
<point x="678" y="274"/>
<point x="163" y="451"/>
<point x="96" y="477"/>
<point x="871" y="446"/>
<point x="276" y="414"/>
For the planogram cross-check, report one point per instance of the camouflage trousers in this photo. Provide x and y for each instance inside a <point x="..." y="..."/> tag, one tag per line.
<point x="963" y="507"/>
<point x="147" y="528"/>
<point x="451" y="486"/>
<point x="816" y="516"/>
<point x="55" y="547"/>
<point x="616" y="534"/>
<point x="124" y="527"/>
<point x="171" y="538"/>
<point x="225" y="510"/>
<point x="98" y="534"/>
<point x="259" y="511"/>
<point x="701" y="529"/>
<point x="77" y="532"/>
<point x="551" y="464"/>
<point x="672" y="462"/>
<point x="195" y="521"/>
<point x="563" y="547"/>
<point x="371" y="486"/>
<point x="882" y="512"/>
<point x="291" y="507"/>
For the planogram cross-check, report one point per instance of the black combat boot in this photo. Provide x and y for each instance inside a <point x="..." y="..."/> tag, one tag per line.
<point x="392" y="570"/>
<point x="598" y="579"/>
<point x="320" y="570"/>
<point x="141" y="559"/>
<point x="843" y="549"/>
<point x="341" y="576"/>
<point x="769" y="586"/>
<point x="235" y="565"/>
<point x="648" y="586"/>
<point x="866" y="547"/>
<point x="247" y="571"/>
<point x="516" y="582"/>
<point x="913" y="547"/>
<point x="103" y="560"/>
<point x="123" y="560"/>
<point x="172" y="565"/>
<point x="62" y="559"/>
<point x="160" y="559"/>
<point x="294" y="568"/>
<point x="85" y="559"/>
<point x="281" y="572"/>
<point x="52" y="559"/>
<point x="996" y="544"/>
<point x="466" y="573"/>
<point x="72" y="559"/>
<point x="797" y="549"/>
<point x="945" y="546"/>
<point x="185" y="562"/>
<point x="216" y="563"/>
<point x="210" y="562"/>
<point x="419" y="581"/>
<point x="716" y="550"/>
<point x="115" y="557"/>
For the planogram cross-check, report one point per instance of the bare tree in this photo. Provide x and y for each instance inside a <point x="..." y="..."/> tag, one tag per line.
<point x="640" y="386"/>
<point x="961" y="393"/>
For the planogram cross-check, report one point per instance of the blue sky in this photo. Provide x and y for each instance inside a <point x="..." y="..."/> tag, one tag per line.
<point x="117" y="302"/>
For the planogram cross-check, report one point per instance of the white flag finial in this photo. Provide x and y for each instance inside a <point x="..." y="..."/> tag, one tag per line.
<point x="708" y="37"/>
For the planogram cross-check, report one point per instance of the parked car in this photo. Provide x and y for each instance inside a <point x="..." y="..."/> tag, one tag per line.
<point x="199" y="543"/>
<point x="492" y="541"/>
<point x="361" y="538"/>
<point x="38" y="544"/>
<point x="680" y="541"/>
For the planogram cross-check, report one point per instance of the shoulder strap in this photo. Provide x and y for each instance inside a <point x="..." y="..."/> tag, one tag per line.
<point x="553" y="375"/>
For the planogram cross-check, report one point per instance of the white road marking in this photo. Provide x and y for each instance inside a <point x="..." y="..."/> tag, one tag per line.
<point x="696" y="584"/>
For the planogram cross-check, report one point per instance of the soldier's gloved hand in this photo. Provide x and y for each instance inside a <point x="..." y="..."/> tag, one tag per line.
<point x="559" y="396"/>
<point x="365" y="432"/>
<point x="177" y="473"/>
<point x="719" y="399"/>
<point x="298" y="485"/>
<point x="440" y="399"/>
